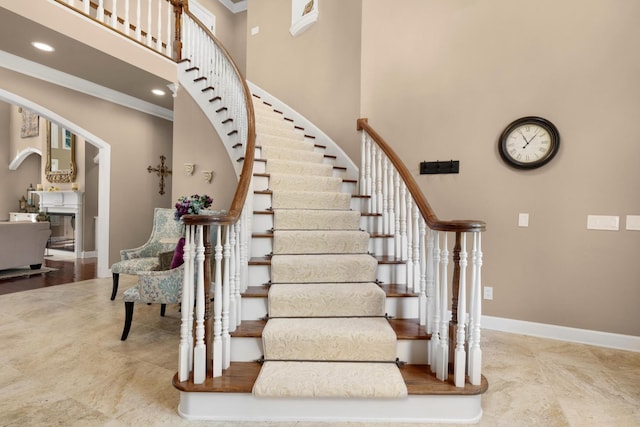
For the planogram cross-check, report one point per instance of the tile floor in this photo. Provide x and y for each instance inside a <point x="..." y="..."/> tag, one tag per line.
<point x="62" y="363"/>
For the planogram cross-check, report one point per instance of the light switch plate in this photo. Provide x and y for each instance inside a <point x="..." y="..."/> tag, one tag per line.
<point x="603" y="222"/>
<point x="255" y="30"/>
<point x="523" y="220"/>
<point x="633" y="222"/>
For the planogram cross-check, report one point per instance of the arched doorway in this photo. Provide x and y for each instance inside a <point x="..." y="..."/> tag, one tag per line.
<point x="104" y="172"/>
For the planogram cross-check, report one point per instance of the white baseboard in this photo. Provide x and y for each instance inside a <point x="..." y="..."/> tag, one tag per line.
<point x="89" y="254"/>
<point x="563" y="333"/>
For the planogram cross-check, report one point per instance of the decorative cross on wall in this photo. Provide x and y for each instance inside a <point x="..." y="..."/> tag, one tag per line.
<point x="161" y="170"/>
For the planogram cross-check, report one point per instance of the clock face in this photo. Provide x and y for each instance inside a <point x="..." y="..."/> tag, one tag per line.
<point x="529" y="142"/>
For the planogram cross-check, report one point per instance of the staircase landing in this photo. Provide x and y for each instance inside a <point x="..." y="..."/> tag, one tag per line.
<point x="430" y="400"/>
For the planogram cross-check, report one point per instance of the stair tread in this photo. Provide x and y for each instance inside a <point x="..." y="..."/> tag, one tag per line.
<point x="392" y="290"/>
<point x="405" y="329"/>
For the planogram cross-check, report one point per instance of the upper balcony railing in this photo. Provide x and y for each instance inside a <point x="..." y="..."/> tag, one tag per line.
<point x="152" y="23"/>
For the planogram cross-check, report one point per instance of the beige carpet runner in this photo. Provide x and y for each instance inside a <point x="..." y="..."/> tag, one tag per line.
<point x="326" y="335"/>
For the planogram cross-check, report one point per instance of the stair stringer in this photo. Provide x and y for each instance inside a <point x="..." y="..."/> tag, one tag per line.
<point x="194" y="87"/>
<point x="321" y="138"/>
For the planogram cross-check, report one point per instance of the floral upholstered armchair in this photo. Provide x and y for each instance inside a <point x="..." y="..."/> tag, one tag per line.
<point x="164" y="236"/>
<point x="154" y="287"/>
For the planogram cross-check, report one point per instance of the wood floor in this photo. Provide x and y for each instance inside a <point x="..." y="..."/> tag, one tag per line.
<point x="67" y="271"/>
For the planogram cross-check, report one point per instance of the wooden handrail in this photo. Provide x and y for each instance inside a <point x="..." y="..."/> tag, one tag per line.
<point x="242" y="190"/>
<point x="427" y="212"/>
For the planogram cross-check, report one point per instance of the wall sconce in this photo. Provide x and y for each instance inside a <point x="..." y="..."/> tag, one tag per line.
<point x="189" y="168"/>
<point x="207" y="176"/>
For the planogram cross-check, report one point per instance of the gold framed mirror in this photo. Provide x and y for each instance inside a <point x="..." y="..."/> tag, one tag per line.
<point x="61" y="154"/>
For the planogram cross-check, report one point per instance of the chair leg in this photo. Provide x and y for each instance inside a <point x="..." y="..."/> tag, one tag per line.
<point x="163" y="308"/>
<point x="114" y="291"/>
<point x="128" y="317"/>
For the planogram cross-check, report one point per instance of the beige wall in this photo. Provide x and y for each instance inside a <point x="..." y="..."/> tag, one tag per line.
<point x="441" y="80"/>
<point x="317" y="73"/>
<point x="14" y="184"/>
<point x="231" y="30"/>
<point x="137" y="140"/>
<point x="198" y="143"/>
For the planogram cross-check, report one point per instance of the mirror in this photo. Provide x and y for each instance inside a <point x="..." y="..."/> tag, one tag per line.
<point x="61" y="154"/>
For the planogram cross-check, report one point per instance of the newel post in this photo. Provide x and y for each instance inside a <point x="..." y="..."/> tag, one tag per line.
<point x="178" y="6"/>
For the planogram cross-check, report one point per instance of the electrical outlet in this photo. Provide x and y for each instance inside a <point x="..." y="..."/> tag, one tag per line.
<point x="488" y="292"/>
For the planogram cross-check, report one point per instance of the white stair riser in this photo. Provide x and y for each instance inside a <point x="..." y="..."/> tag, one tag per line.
<point x="254" y="308"/>
<point x="261" y="246"/>
<point x="258" y="275"/>
<point x="397" y="307"/>
<point x="261" y="202"/>
<point x="259" y="167"/>
<point x="359" y="204"/>
<point x="262" y="223"/>
<point x="249" y="349"/>
<point x="392" y="273"/>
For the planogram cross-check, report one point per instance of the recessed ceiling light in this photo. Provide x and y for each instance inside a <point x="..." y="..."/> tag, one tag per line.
<point x="157" y="92"/>
<point x="42" y="46"/>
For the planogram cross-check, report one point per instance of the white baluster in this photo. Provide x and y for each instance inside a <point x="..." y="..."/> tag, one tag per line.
<point x="363" y="162"/>
<point x="368" y="174"/>
<point x="199" y="352"/>
<point x="87" y="6"/>
<point x="443" y="353"/>
<point x="232" y="278"/>
<point x="237" y="296"/>
<point x="409" y="244"/>
<point x="217" y="306"/>
<point x="159" y="34"/>
<point x="127" y="19"/>
<point x="385" y="196"/>
<point x="422" y="257"/>
<point x="416" y="248"/>
<point x="138" y="32"/>
<point x="114" y="14"/>
<point x="392" y="215"/>
<point x="149" y="25"/>
<point x="170" y="33"/>
<point x="435" y="332"/>
<point x="379" y="197"/>
<point x="186" y="307"/>
<point x="397" y="236"/>
<point x="100" y="11"/>
<point x="374" y="180"/>
<point x="475" y="352"/>
<point x="460" y="354"/>
<point x="403" y="222"/>
<point x="226" y="338"/>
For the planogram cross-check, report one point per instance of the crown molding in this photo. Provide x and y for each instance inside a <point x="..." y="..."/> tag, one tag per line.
<point x="59" y="78"/>
<point x="237" y="7"/>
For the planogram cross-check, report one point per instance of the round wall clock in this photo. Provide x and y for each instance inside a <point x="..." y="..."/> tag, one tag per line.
<point x="529" y="142"/>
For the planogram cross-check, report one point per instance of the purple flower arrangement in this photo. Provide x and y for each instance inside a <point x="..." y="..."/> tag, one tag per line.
<point x="191" y="205"/>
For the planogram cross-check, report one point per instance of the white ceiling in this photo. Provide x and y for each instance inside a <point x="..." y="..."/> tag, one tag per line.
<point x="78" y="59"/>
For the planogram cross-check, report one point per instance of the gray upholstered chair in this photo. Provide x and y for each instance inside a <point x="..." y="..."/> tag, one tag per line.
<point x="164" y="236"/>
<point x="154" y="287"/>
